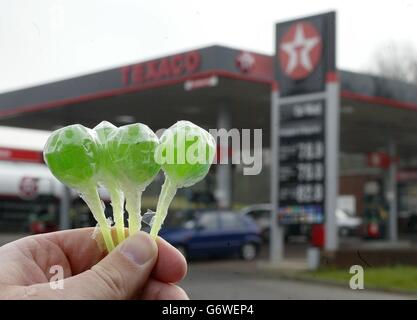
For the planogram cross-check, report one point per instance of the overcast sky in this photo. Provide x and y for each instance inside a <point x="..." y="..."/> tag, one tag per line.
<point x="46" y="40"/>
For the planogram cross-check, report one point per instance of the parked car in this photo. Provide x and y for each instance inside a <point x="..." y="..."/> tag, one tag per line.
<point x="261" y="214"/>
<point x="209" y="233"/>
<point x="347" y="223"/>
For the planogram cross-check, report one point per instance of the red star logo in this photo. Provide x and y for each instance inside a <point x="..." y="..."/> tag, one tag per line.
<point x="28" y="187"/>
<point x="300" y="50"/>
<point x="245" y="61"/>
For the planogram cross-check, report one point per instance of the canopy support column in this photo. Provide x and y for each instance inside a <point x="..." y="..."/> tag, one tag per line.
<point x="224" y="171"/>
<point x="64" y="208"/>
<point x="392" y="192"/>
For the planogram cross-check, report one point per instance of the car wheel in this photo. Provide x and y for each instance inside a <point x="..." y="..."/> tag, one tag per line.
<point x="183" y="250"/>
<point x="248" y="251"/>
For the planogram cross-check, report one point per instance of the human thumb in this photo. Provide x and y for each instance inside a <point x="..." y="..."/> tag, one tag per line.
<point x="122" y="274"/>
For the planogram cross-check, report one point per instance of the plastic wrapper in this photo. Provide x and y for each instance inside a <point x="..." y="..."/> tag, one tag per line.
<point x="185" y="153"/>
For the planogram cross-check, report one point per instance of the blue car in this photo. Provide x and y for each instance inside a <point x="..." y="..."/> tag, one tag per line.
<point x="212" y="233"/>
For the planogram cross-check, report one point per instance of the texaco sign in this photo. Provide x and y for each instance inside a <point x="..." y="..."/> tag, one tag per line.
<point x="306" y="123"/>
<point x="28" y="187"/>
<point x="305" y="54"/>
<point x="300" y="50"/>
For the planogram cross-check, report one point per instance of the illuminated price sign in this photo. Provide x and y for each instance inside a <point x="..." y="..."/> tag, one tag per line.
<point x="302" y="162"/>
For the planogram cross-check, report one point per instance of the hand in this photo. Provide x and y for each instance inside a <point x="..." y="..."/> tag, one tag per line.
<point x="139" y="268"/>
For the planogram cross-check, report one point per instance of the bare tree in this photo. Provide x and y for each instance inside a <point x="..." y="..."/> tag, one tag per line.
<point x="396" y="61"/>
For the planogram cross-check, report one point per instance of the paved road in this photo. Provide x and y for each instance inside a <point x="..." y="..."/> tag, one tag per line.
<point x="228" y="280"/>
<point x="9" y="237"/>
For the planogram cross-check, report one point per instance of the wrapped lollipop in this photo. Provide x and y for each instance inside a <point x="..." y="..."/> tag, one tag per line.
<point x="107" y="176"/>
<point x="131" y="149"/>
<point x="185" y="153"/>
<point x="71" y="154"/>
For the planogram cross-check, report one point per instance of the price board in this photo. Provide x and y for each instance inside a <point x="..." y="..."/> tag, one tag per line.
<point x="302" y="162"/>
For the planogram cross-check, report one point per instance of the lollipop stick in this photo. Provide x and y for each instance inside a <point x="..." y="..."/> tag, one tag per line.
<point x="168" y="191"/>
<point x="133" y="207"/>
<point x="117" y="203"/>
<point x="91" y="197"/>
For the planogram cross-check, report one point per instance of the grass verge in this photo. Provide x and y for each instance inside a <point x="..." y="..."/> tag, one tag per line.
<point x="403" y="278"/>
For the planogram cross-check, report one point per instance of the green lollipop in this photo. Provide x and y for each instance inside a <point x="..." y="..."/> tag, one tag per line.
<point x="186" y="152"/>
<point x="107" y="176"/>
<point x="132" y="153"/>
<point x="71" y="155"/>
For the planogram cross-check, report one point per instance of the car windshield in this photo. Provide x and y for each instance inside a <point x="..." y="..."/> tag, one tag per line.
<point x="179" y="219"/>
<point x="349" y="213"/>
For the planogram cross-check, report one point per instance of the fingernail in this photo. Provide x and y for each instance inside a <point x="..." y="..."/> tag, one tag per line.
<point x="139" y="248"/>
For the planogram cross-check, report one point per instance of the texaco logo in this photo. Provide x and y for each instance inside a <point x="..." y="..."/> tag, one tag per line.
<point x="28" y="187"/>
<point x="300" y="50"/>
<point x="245" y="61"/>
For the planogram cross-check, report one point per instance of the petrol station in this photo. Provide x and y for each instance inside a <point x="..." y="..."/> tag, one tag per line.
<point x="367" y="123"/>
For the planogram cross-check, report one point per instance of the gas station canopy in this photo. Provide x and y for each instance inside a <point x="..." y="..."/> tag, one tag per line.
<point x="191" y="85"/>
